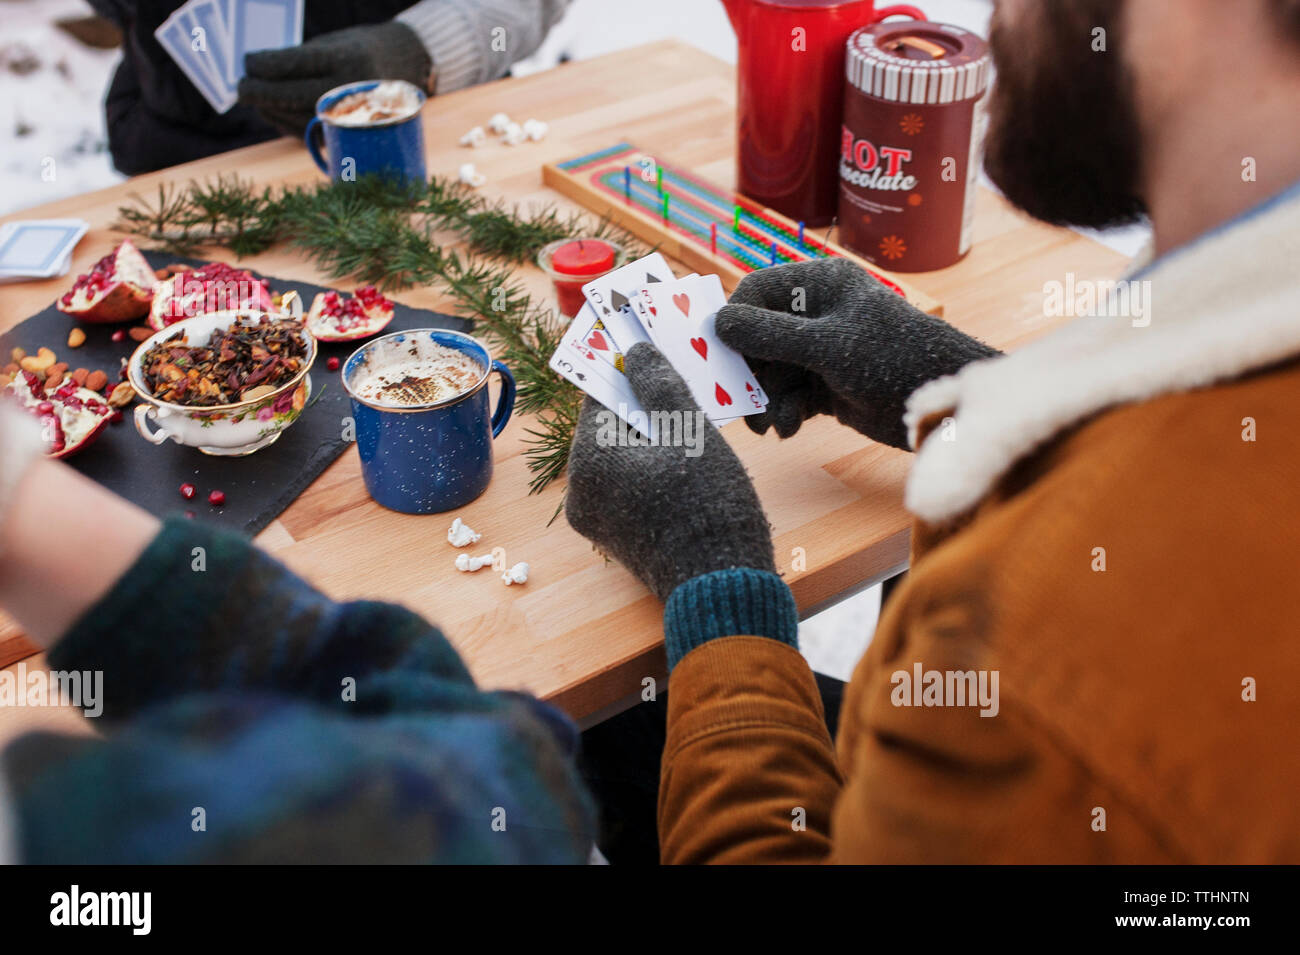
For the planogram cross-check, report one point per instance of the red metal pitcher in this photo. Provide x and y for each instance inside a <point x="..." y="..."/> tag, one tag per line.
<point x="790" y="99"/>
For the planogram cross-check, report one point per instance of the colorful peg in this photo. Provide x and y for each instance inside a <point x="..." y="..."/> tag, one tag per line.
<point x="735" y="225"/>
<point x="774" y="253"/>
<point x="627" y="183"/>
<point x="666" y="198"/>
<point x="713" y="237"/>
<point x="659" y="177"/>
<point x="801" y="235"/>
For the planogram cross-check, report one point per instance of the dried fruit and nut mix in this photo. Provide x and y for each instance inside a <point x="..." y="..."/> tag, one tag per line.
<point x="241" y="363"/>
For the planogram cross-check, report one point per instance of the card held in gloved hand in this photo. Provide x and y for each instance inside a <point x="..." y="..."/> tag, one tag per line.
<point x="208" y="39"/>
<point x="644" y="302"/>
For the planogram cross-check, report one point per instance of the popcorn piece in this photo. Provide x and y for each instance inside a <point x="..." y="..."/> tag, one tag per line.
<point x="498" y="123"/>
<point x="470" y="564"/>
<point x="461" y="534"/>
<point x="474" y="138"/>
<point x="514" y="135"/>
<point x="535" y="129"/>
<point x="518" y="574"/>
<point x="471" y="176"/>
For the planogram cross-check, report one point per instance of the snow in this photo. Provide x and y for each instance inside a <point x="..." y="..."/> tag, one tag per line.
<point x="51" y="118"/>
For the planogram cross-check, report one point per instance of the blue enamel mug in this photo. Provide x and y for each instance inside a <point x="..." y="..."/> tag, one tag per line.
<point x="431" y="457"/>
<point x="392" y="148"/>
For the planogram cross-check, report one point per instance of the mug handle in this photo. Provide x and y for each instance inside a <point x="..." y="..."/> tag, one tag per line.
<point x="506" y="401"/>
<point x="146" y="413"/>
<point x="309" y="137"/>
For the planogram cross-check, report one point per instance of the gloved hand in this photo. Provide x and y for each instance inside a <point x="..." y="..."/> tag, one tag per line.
<point x="669" y="513"/>
<point x="283" y="85"/>
<point x="824" y="337"/>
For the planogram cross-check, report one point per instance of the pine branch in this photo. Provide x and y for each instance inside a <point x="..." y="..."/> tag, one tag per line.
<point x="376" y="232"/>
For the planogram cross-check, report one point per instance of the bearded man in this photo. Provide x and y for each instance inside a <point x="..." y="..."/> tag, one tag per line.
<point x="1105" y="519"/>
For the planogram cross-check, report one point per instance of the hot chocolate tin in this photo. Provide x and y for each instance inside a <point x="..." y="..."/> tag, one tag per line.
<point x="912" y="143"/>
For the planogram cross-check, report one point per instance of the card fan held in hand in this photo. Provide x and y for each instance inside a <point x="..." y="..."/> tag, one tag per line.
<point x="644" y="302"/>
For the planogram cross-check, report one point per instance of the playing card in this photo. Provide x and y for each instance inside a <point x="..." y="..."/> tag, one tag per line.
<point x="597" y="337"/>
<point x="598" y="378"/>
<point x="609" y="293"/>
<point x="263" y="25"/>
<point x="679" y="317"/>
<point x="210" y="17"/>
<point x="177" y="40"/>
<point x="38" y="248"/>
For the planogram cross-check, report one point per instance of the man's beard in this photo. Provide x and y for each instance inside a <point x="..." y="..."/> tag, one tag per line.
<point x="1063" y="141"/>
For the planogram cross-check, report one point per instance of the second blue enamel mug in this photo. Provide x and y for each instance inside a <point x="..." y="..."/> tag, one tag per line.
<point x="424" y="459"/>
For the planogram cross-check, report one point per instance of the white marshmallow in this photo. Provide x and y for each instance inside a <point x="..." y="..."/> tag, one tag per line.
<point x="535" y="129"/>
<point x="518" y="574"/>
<point x="471" y="176"/>
<point x="469" y="564"/>
<point x="474" y="138"/>
<point x="461" y="534"/>
<point x="514" y="135"/>
<point x="498" y="123"/>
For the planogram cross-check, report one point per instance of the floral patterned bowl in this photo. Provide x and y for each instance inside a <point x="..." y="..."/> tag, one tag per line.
<point x="225" y="430"/>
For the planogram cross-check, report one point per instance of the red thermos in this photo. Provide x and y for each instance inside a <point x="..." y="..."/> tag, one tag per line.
<point x="790" y="99"/>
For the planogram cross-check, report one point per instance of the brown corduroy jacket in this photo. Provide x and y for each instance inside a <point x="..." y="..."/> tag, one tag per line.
<point x="1113" y="532"/>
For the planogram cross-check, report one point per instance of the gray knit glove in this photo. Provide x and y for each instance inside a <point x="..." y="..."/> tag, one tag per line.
<point x="824" y="337"/>
<point x="283" y="85"/>
<point x="669" y="513"/>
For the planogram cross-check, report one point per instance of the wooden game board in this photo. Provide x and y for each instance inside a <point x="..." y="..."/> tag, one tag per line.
<point x="694" y="221"/>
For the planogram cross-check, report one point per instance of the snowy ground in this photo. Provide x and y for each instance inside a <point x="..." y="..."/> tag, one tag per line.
<point x="51" y="108"/>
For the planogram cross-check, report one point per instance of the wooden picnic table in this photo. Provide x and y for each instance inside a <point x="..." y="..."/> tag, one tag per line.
<point x="583" y="632"/>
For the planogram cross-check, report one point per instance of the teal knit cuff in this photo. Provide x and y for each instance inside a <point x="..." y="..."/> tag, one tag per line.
<point x="728" y="603"/>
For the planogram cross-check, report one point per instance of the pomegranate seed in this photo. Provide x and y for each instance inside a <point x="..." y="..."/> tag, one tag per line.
<point x="217" y="498"/>
<point x="188" y="491"/>
<point x="116" y="417"/>
<point x="45" y="407"/>
<point x="332" y="364"/>
<point x="119" y="335"/>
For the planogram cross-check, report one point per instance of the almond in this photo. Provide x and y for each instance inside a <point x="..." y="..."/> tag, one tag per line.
<point x="79" y="376"/>
<point x="56" y="371"/>
<point x="76" y="338"/>
<point x="122" y="395"/>
<point x="96" y="380"/>
<point x="10" y="369"/>
<point x="140" y="333"/>
<point x="42" y="360"/>
<point x="5" y="379"/>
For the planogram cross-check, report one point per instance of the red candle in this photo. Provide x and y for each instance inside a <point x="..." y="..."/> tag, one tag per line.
<point x="584" y="259"/>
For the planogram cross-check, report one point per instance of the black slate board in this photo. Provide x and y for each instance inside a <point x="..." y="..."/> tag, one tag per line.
<point x="258" y="487"/>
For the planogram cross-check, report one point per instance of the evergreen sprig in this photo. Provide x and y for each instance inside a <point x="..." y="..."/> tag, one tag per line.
<point x="378" y="232"/>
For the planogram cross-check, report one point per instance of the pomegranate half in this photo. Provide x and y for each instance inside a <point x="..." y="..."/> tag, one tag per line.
<point x="215" y="287"/>
<point x="71" y="416"/>
<point x="118" y="288"/>
<point x="336" y="318"/>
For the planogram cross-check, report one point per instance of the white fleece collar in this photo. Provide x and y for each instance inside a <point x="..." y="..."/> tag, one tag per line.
<point x="1221" y="306"/>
